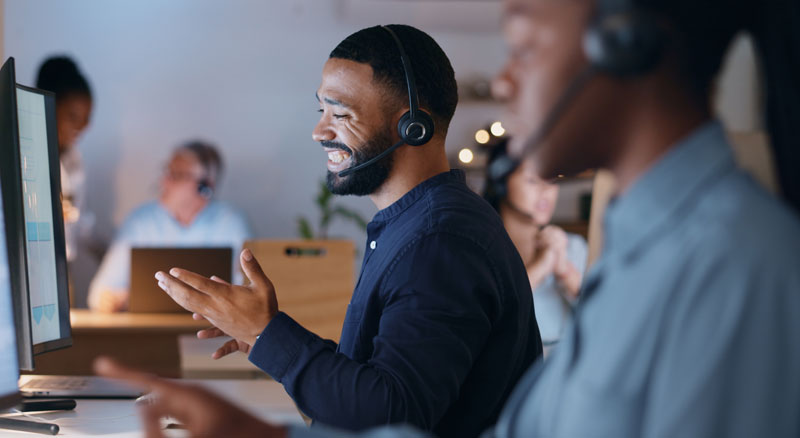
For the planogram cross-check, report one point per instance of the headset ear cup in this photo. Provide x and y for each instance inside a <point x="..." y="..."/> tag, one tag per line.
<point x="416" y="131"/>
<point x="205" y="190"/>
<point x="624" y="44"/>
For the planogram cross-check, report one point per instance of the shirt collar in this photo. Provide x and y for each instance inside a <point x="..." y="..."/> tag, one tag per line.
<point x="415" y="194"/>
<point x="659" y="194"/>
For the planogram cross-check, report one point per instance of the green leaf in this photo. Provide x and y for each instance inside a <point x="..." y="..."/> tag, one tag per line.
<point x="324" y="196"/>
<point x="304" y="229"/>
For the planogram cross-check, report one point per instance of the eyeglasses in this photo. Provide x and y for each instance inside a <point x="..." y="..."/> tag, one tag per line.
<point x="178" y="176"/>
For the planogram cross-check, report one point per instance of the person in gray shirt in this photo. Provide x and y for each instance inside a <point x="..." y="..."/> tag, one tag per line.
<point x="687" y="325"/>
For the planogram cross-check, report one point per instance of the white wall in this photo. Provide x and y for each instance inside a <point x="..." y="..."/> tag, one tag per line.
<point x="243" y="73"/>
<point x="239" y="73"/>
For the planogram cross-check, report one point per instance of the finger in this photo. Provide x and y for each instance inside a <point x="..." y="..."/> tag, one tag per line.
<point x="253" y="270"/>
<point x="227" y="348"/>
<point x="219" y="280"/>
<point x="197" y="281"/>
<point x="198" y="317"/>
<point x="188" y="297"/>
<point x="210" y="333"/>
<point x="151" y="417"/>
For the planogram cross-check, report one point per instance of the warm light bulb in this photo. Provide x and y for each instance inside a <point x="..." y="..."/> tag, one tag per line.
<point x="465" y="156"/>
<point x="497" y="129"/>
<point x="482" y="136"/>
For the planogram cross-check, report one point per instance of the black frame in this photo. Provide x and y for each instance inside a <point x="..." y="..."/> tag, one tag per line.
<point x="10" y="180"/>
<point x="65" y="329"/>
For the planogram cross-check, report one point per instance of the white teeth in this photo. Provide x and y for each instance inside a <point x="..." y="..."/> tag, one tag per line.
<point x="337" y="157"/>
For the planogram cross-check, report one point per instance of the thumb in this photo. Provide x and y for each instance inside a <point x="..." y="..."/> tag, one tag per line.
<point x="252" y="270"/>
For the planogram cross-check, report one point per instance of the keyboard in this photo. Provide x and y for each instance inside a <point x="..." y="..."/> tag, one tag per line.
<point x="57" y="383"/>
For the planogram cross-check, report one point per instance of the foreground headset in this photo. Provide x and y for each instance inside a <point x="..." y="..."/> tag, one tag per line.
<point x="622" y="41"/>
<point x="415" y="127"/>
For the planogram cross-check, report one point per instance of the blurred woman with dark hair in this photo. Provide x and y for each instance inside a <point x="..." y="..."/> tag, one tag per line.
<point x="61" y="75"/>
<point x="554" y="258"/>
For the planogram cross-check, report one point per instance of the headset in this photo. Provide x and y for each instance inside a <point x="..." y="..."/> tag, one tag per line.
<point x="415" y="127"/>
<point x="211" y="163"/>
<point x="205" y="189"/>
<point x="622" y="41"/>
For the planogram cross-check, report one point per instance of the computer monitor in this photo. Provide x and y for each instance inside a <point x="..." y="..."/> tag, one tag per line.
<point x="36" y="157"/>
<point x="9" y="366"/>
<point x="48" y="287"/>
<point x="13" y="220"/>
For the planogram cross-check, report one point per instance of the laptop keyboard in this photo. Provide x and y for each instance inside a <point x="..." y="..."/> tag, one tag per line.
<point x="57" y="383"/>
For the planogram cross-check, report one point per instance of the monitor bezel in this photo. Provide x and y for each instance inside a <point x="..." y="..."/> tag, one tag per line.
<point x="10" y="399"/>
<point x="62" y="281"/>
<point x="10" y="184"/>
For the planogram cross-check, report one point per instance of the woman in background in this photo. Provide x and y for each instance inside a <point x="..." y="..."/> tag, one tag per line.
<point x="555" y="259"/>
<point x="73" y="111"/>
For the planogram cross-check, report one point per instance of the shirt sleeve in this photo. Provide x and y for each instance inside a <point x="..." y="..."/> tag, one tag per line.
<point x="380" y="432"/>
<point x="438" y="302"/>
<point x="577" y="252"/>
<point x="729" y="363"/>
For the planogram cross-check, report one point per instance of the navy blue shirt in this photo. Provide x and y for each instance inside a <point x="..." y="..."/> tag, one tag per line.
<point x="438" y="331"/>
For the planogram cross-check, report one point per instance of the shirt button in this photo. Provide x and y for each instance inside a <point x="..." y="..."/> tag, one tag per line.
<point x="372" y="245"/>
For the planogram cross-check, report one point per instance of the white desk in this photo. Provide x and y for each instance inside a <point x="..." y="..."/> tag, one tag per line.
<point x="264" y="399"/>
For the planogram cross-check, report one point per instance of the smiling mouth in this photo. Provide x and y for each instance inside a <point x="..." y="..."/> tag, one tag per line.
<point x="337" y="156"/>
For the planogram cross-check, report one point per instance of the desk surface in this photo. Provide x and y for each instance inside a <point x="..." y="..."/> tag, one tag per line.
<point x="119" y="418"/>
<point x="196" y="361"/>
<point x="84" y="320"/>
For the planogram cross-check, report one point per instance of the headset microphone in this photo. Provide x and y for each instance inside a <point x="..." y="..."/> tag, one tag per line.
<point x="371" y="161"/>
<point x="505" y="165"/>
<point x="622" y="41"/>
<point x="415" y="127"/>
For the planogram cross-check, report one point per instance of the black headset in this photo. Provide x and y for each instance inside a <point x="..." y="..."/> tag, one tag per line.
<point x="415" y="127"/>
<point x="623" y="41"/>
<point x="204" y="188"/>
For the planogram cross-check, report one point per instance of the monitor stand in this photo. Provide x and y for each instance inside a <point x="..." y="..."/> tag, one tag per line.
<point x="34" y="426"/>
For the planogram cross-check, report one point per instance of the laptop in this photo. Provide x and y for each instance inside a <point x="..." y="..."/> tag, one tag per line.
<point x="38" y="386"/>
<point x="147" y="297"/>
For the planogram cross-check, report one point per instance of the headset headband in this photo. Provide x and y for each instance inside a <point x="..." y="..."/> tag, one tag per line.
<point x="413" y="97"/>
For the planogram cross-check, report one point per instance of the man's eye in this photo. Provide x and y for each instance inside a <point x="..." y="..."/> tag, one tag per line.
<point x="320" y="110"/>
<point x="340" y="116"/>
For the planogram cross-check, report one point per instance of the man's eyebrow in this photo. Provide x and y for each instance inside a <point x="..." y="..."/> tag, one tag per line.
<point x="330" y="101"/>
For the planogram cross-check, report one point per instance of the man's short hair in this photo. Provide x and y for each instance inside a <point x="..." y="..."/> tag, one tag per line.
<point x="435" y="79"/>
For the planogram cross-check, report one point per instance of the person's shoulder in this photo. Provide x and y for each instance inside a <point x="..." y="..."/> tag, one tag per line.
<point x="143" y="212"/>
<point x="223" y="212"/>
<point x="747" y="225"/>
<point x="577" y="248"/>
<point x="454" y="208"/>
<point x="225" y="209"/>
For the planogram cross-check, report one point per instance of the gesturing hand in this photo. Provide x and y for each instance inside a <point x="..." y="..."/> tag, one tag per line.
<point x="227" y="348"/>
<point x="202" y="413"/>
<point x="239" y="311"/>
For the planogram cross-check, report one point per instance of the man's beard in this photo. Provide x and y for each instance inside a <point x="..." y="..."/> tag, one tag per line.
<point x="367" y="180"/>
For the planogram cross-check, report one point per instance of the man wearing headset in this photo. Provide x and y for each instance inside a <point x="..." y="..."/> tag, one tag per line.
<point x="440" y="325"/>
<point x="184" y="215"/>
<point x="688" y="323"/>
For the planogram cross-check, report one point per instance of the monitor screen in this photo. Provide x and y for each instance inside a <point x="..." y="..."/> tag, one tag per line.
<point x="13" y="221"/>
<point x="44" y="227"/>
<point x="9" y="368"/>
